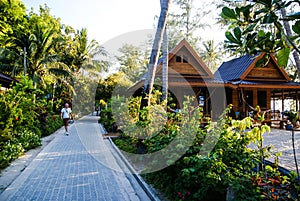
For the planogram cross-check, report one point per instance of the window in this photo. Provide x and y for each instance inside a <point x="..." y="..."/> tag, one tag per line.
<point x="181" y="59"/>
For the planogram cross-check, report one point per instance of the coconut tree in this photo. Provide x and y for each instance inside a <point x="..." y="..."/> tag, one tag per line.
<point x="211" y="54"/>
<point x="148" y="85"/>
<point x="165" y="67"/>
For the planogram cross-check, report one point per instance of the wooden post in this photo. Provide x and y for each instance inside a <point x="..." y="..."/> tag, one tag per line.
<point x="255" y="98"/>
<point x="297" y="101"/>
<point x="282" y="102"/>
<point x="274" y="105"/>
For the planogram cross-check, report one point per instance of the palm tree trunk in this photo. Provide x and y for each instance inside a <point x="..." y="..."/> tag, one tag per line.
<point x="148" y="85"/>
<point x="288" y="31"/>
<point x="165" y="67"/>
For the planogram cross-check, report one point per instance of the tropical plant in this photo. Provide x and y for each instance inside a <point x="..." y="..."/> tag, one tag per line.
<point x="133" y="61"/>
<point x="211" y="54"/>
<point x="258" y="27"/>
<point x="18" y="120"/>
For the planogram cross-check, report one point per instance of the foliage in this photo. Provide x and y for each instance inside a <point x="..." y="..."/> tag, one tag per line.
<point x="257" y="27"/>
<point x="9" y="151"/>
<point x="211" y="55"/>
<point x="18" y="120"/>
<point x="186" y="22"/>
<point x="116" y="83"/>
<point x="84" y="98"/>
<point x="28" y="139"/>
<point x="218" y="158"/>
<point x="12" y="14"/>
<point x="291" y="115"/>
<point x="133" y="61"/>
<point x="274" y="185"/>
<point x="50" y="124"/>
<point x="106" y="119"/>
<point x="17" y="109"/>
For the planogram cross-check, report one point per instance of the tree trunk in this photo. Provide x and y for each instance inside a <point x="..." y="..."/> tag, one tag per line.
<point x="165" y="67"/>
<point x="148" y="85"/>
<point x="289" y="34"/>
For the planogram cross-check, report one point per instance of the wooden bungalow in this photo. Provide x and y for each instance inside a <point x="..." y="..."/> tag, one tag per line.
<point x="257" y="85"/>
<point x="187" y="75"/>
<point x="239" y="82"/>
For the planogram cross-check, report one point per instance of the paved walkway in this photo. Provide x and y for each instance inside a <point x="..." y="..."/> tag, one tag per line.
<point x="281" y="140"/>
<point x="81" y="166"/>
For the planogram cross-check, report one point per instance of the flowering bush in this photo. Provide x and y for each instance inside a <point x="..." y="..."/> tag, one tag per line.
<point x="19" y="121"/>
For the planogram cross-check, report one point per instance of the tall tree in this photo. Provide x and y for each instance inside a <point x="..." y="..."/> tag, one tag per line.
<point x="148" y="85"/>
<point x="186" y="21"/>
<point x="133" y="61"/>
<point x="211" y="54"/>
<point x="165" y="67"/>
<point x="12" y="17"/>
<point x="13" y="24"/>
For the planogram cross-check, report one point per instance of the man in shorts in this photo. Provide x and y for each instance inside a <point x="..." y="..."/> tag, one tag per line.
<point x="66" y="115"/>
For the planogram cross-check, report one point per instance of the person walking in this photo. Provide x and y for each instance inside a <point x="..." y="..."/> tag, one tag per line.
<point x="66" y="115"/>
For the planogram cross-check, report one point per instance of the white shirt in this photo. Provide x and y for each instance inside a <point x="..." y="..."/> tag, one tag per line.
<point x="66" y="112"/>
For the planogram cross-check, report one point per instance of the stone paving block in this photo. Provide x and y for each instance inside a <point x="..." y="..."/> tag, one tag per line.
<point x="75" y="167"/>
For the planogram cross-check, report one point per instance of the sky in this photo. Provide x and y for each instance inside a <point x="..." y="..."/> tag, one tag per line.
<point x="106" y="20"/>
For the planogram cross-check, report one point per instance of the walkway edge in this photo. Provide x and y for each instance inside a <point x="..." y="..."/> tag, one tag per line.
<point x="139" y="179"/>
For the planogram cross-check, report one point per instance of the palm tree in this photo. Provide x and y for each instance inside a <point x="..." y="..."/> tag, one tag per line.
<point x="165" y="67"/>
<point x="40" y="53"/>
<point x="211" y="55"/>
<point x="87" y="54"/>
<point x="148" y="85"/>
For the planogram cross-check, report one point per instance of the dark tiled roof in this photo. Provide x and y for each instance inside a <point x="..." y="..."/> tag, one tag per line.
<point x="234" y="69"/>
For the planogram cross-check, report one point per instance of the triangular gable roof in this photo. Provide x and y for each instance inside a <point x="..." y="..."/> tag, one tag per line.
<point x="239" y="69"/>
<point x="200" y="69"/>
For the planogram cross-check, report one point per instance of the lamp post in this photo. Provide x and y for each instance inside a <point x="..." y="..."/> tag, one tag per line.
<point x="24" y="61"/>
<point x="294" y="151"/>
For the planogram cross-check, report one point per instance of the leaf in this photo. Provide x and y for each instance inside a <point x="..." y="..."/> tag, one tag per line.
<point x="283" y="57"/>
<point x="270" y="18"/>
<point x="261" y="33"/>
<point x="259" y="63"/>
<point x="238" y="33"/>
<point x="296" y="27"/>
<point x="231" y="38"/>
<point x="229" y="13"/>
<point x="247" y="10"/>
<point x="250" y="28"/>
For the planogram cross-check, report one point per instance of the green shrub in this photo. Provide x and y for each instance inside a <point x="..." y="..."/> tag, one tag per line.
<point x="202" y="172"/>
<point x="29" y="140"/>
<point x="9" y="151"/>
<point x="20" y="112"/>
<point x="50" y="124"/>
